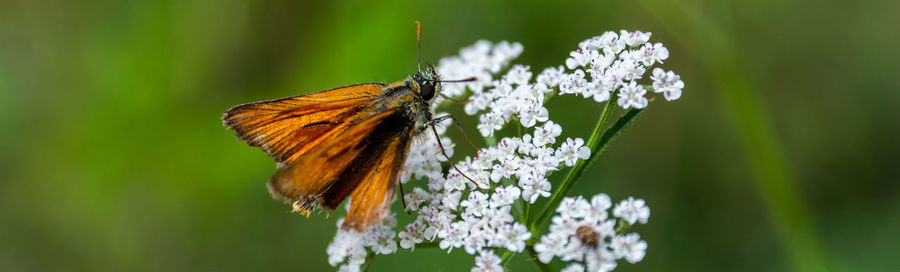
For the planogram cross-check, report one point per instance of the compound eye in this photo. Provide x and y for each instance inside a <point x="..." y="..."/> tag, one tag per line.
<point x="427" y="90"/>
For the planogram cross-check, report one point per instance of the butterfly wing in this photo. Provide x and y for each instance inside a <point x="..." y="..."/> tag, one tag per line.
<point x="364" y="161"/>
<point x="289" y="127"/>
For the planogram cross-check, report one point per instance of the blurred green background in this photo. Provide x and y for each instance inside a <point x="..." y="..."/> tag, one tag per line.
<point x="782" y="155"/>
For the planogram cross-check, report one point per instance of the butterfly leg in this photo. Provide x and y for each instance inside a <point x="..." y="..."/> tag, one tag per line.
<point x="437" y="138"/>
<point x="458" y="126"/>
<point x="403" y="198"/>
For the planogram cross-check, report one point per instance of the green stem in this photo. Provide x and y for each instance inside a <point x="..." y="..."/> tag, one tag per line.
<point x="593" y="143"/>
<point x="526" y="209"/>
<point x="506" y="257"/>
<point x="549" y="97"/>
<point x="527" y="217"/>
<point x="519" y="129"/>
<point x="428" y="245"/>
<point x="596" y="149"/>
<point x="533" y="256"/>
<point x="611" y="133"/>
<point x="368" y="262"/>
<point x="597" y="144"/>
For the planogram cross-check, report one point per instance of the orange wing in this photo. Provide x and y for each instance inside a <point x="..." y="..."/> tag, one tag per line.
<point x="364" y="161"/>
<point x="289" y="127"/>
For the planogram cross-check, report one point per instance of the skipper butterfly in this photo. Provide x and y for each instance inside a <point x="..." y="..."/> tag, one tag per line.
<point x="347" y="141"/>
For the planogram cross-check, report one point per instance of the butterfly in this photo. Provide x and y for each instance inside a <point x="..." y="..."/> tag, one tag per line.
<point x="349" y="141"/>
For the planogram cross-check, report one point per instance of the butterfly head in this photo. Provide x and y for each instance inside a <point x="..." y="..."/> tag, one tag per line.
<point x="426" y="84"/>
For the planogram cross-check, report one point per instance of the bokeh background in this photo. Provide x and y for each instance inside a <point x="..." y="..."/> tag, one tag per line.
<point x="782" y="155"/>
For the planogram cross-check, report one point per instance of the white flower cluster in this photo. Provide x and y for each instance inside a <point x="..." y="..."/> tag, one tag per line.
<point x="617" y="61"/>
<point x="478" y="215"/>
<point x="350" y="247"/>
<point x="583" y="234"/>
<point x="601" y="65"/>
<point x="481" y="60"/>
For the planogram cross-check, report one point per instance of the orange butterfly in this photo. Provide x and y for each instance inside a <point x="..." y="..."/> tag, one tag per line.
<point x="348" y="141"/>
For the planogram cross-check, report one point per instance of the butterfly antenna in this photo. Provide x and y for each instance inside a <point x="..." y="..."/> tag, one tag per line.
<point x="458" y="80"/>
<point x="419" y="45"/>
<point x="454" y="100"/>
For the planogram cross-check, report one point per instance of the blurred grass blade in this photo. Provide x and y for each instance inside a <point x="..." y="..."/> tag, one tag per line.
<point x="774" y="180"/>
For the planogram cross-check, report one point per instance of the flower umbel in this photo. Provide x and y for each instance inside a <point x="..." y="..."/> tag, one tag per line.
<point x="581" y="232"/>
<point x="493" y="216"/>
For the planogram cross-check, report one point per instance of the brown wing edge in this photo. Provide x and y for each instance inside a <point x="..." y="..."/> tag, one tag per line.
<point x="230" y="122"/>
<point x="273" y="124"/>
<point x="322" y="93"/>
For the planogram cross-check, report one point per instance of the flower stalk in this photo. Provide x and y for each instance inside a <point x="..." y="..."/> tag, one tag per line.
<point x="542" y="266"/>
<point x="575" y="172"/>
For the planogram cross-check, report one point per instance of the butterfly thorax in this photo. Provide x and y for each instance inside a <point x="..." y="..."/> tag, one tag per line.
<point x="414" y="95"/>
